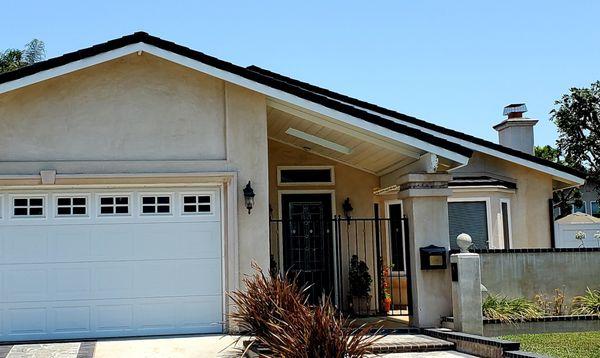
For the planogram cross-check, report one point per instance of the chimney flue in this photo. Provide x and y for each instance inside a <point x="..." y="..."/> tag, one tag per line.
<point x="516" y="131"/>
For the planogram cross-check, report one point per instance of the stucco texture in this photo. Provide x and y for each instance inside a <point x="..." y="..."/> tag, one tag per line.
<point x="131" y="108"/>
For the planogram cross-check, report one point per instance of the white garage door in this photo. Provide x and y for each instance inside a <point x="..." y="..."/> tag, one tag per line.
<point x="105" y="263"/>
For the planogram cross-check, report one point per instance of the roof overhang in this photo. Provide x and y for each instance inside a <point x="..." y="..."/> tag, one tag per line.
<point x="278" y="93"/>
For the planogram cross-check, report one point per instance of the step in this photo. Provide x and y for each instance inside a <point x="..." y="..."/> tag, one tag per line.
<point x="409" y="343"/>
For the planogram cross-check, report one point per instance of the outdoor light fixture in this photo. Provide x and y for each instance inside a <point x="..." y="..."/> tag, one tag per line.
<point x="249" y="197"/>
<point x="347" y="207"/>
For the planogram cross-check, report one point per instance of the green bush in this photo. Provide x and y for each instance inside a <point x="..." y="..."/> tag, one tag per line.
<point x="509" y="310"/>
<point x="588" y="304"/>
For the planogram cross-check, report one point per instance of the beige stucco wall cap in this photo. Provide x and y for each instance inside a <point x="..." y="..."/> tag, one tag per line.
<point x="423" y="178"/>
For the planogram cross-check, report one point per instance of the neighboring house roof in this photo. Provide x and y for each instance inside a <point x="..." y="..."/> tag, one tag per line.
<point x="578" y="218"/>
<point x="370" y="113"/>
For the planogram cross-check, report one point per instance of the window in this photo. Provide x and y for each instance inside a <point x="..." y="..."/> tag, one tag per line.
<point x="505" y="212"/>
<point x="195" y="204"/>
<point x="579" y="209"/>
<point x="469" y="217"/>
<point x="595" y="208"/>
<point x="396" y="237"/>
<point x="24" y="207"/>
<point x="305" y="175"/>
<point x="114" y="205"/>
<point x="156" y="204"/>
<point x="71" y="206"/>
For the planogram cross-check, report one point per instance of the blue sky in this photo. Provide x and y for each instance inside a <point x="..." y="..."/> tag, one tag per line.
<point x="454" y="63"/>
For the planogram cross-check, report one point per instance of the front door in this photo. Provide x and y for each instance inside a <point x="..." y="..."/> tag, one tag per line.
<point x="308" y="242"/>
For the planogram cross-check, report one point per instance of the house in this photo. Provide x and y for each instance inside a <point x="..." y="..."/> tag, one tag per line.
<point x="140" y="179"/>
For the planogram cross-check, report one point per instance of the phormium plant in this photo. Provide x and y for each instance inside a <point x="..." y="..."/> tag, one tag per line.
<point x="275" y="311"/>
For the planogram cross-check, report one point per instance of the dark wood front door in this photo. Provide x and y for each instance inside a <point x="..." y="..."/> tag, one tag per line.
<point x="308" y="241"/>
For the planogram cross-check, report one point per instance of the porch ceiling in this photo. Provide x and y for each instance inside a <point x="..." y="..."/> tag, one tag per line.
<point x="339" y="144"/>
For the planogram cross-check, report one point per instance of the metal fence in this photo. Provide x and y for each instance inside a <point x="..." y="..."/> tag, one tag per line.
<point x="350" y="259"/>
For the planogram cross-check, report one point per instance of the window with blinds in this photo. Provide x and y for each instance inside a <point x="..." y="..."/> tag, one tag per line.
<point x="469" y="217"/>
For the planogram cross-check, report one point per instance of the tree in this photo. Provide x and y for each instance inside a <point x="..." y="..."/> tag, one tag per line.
<point x="577" y="117"/>
<point x="561" y="199"/>
<point x="13" y="59"/>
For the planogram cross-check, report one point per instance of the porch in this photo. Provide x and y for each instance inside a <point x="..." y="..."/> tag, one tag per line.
<point x="359" y="262"/>
<point x="349" y="209"/>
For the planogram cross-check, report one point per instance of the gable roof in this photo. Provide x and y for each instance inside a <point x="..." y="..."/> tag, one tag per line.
<point x="421" y="130"/>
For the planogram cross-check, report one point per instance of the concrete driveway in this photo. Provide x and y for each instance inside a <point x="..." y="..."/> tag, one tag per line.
<point x="175" y="347"/>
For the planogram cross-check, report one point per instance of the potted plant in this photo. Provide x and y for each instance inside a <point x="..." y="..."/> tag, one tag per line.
<point x="359" y="285"/>
<point x="386" y="301"/>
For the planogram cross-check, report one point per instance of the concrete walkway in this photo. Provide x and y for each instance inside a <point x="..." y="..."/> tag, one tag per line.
<point x="194" y="346"/>
<point x="172" y="347"/>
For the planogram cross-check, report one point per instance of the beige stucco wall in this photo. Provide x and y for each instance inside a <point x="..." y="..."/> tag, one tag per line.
<point x="131" y="108"/>
<point x="530" y="221"/>
<point x="144" y="115"/>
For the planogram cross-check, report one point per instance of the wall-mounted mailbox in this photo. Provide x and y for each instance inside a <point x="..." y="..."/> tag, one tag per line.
<point x="433" y="257"/>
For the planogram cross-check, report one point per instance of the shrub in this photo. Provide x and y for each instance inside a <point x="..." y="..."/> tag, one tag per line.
<point x="555" y="305"/>
<point x="275" y="311"/>
<point x="359" y="278"/>
<point x="588" y="304"/>
<point x="509" y="310"/>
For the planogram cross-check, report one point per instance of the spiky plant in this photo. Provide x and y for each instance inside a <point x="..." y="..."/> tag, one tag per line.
<point x="588" y="304"/>
<point x="510" y="310"/>
<point x="275" y="311"/>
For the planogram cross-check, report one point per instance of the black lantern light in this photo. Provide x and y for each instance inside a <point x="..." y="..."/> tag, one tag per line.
<point x="347" y="207"/>
<point x="249" y="197"/>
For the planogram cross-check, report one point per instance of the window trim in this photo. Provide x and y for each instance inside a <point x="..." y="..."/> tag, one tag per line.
<point x="488" y="210"/>
<point x="56" y="196"/>
<point x="11" y="206"/>
<point x="509" y="215"/>
<point x="306" y="167"/>
<point x="387" y="204"/>
<point x="211" y="204"/>
<point x="99" y="197"/>
<point x="141" y="205"/>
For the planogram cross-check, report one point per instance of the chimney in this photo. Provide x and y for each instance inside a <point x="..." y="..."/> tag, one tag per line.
<point x="516" y="131"/>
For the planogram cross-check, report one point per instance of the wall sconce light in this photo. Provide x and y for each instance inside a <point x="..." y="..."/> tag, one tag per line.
<point x="249" y="197"/>
<point x="347" y="207"/>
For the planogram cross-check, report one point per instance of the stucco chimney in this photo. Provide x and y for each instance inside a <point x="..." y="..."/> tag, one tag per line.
<point x="516" y="131"/>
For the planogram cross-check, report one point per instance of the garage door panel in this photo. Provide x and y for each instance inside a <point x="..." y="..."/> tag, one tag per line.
<point x="70" y="281"/>
<point x="107" y="277"/>
<point x="112" y="280"/>
<point x="24" y="244"/>
<point x="114" y="242"/>
<point x="68" y="244"/>
<point x="26" y="284"/>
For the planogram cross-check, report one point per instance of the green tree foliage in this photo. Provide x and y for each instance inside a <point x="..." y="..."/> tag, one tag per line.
<point x="577" y="116"/>
<point x="13" y="59"/>
<point x="561" y="199"/>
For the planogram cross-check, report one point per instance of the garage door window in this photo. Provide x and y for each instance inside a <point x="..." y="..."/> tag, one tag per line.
<point x="114" y="205"/>
<point x="71" y="206"/>
<point x="196" y="204"/>
<point x="28" y="207"/>
<point x="156" y="204"/>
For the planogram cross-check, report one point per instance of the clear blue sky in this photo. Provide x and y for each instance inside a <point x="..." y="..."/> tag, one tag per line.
<point x="455" y="63"/>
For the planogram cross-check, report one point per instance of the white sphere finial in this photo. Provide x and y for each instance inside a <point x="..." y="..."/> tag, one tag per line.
<point x="464" y="241"/>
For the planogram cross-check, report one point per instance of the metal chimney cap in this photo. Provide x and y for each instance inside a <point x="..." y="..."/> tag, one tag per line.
<point x="515" y="108"/>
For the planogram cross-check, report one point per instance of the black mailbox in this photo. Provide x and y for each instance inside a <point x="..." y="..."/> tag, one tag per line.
<point x="433" y="257"/>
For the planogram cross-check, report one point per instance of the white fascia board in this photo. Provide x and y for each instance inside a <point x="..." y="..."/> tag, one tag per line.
<point x="69" y="67"/>
<point x="555" y="173"/>
<point x="240" y="81"/>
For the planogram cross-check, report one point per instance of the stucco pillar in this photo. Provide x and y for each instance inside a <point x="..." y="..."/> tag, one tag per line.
<point x="425" y="204"/>
<point x="466" y="293"/>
